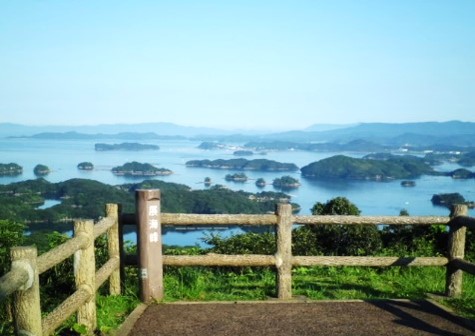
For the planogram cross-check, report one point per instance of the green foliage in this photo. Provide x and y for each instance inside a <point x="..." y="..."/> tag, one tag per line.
<point x="237" y="177"/>
<point x="136" y="168"/>
<point x="248" y="243"/>
<point x="243" y="164"/>
<point x="10" y="169"/>
<point x="286" y="182"/>
<point x="344" y="167"/>
<point x="41" y="170"/>
<point x="11" y="234"/>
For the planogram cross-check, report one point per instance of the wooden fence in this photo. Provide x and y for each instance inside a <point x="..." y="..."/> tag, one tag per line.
<point x="23" y="279"/>
<point x="149" y="220"/>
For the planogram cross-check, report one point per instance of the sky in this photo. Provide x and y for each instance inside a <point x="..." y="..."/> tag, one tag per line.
<point x="270" y="65"/>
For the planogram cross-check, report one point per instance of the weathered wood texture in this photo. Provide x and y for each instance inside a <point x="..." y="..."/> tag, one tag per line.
<point x="111" y="266"/>
<point x="194" y="219"/>
<point x="85" y="274"/>
<point x="456" y="250"/>
<point x="201" y="219"/>
<point x="149" y="244"/>
<point x="102" y="226"/>
<point x="65" y="310"/>
<point x="11" y="281"/>
<point x="112" y="212"/>
<point x="60" y="253"/>
<point x="374" y="220"/>
<point x="220" y="260"/>
<point x="367" y="261"/>
<point x="26" y="301"/>
<point x="284" y="251"/>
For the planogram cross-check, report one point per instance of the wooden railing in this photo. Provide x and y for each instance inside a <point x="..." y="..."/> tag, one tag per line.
<point x="23" y="279"/>
<point x="149" y="221"/>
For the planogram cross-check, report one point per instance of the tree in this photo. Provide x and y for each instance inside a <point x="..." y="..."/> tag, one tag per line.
<point x="344" y="239"/>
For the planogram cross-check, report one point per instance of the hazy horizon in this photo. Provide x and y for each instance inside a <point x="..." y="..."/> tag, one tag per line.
<point x="268" y="65"/>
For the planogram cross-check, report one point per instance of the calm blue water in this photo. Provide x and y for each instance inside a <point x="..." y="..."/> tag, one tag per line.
<point x="372" y="198"/>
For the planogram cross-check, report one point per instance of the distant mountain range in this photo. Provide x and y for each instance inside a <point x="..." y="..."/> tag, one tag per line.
<point x="450" y="133"/>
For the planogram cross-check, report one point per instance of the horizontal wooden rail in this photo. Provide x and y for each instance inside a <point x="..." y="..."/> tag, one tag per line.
<point x="106" y="270"/>
<point x="61" y="252"/>
<point x="464" y="265"/>
<point x="65" y="310"/>
<point x="102" y="226"/>
<point x="368" y="220"/>
<point x="220" y="260"/>
<point x="201" y="219"/>
<point x="12" y="281"/>
<point x="367" y="261"/>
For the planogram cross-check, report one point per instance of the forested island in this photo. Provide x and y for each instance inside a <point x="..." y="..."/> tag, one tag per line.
<point x="286" y="182"/>
<point x="85" y="166"/>
<point x="127" y="146"/>
<point x="10" y="169"/>
<point x="140" y="169"/>
<point x="238" y="177"/>
<point x="41" y="170"/>
<point x="243" y="164"/>
<point x="449" y="199"/>
<point x="391" y="168"/>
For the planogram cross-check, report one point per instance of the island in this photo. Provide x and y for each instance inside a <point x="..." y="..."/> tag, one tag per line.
<point x="85" y="166"/>
<point x="243" y="164"/>
<point x="408" y="183"/>
<point x="207" y="181"/>
<point x="391" y="168"/>
<point x="286" y="182"/>
<point x="41" y="170"/>
<point x="10" y="169"/>
<point x="209" y="145"/>
<point x="450" y="199"/>
<point x="127" y="146"/>
<point x="243" y="153"/>
<point x="140" y="169"/>
<point x="238" y="177"/>
<point x="260" y="182"/>
<point x="461" y="173"/>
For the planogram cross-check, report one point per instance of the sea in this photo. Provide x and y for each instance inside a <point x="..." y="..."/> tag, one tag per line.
<point x="371" y="197"/>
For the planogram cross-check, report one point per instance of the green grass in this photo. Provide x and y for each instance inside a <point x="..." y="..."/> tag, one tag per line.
<point x="316" y="283"/>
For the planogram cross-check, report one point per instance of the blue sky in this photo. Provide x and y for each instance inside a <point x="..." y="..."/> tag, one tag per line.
<point x="236" y="64"/>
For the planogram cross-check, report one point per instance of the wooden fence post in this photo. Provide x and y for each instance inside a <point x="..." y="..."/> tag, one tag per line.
<point x="112" y="211"/>
<point x="284" y="251"/>
<point x="85" y="274"/>
<point x="456" y="249"/>
<point x="149" y="244"/>
<point x="26" y="301"/>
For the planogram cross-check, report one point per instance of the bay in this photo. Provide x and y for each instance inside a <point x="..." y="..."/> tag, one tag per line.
<point x="371" y="197"/>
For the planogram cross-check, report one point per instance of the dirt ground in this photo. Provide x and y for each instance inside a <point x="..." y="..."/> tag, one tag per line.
<point x="388" y="317"/>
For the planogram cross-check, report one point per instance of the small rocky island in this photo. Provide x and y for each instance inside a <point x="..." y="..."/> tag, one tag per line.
<point x="260" y="182"/>
<point x="41" y="170"/>
<point x="243" y="164"/>
<point x="126" y="146"/>
<point x="286" y="182"/>
<point x="85" y="166"/>
<point x="140" y="169"/>
<point x="238" y="177"/>
<point x="10" y="169"/>
<point x="449" y="199"/>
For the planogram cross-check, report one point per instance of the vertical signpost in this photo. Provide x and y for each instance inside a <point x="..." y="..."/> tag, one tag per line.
<point x="149" y="241"/>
